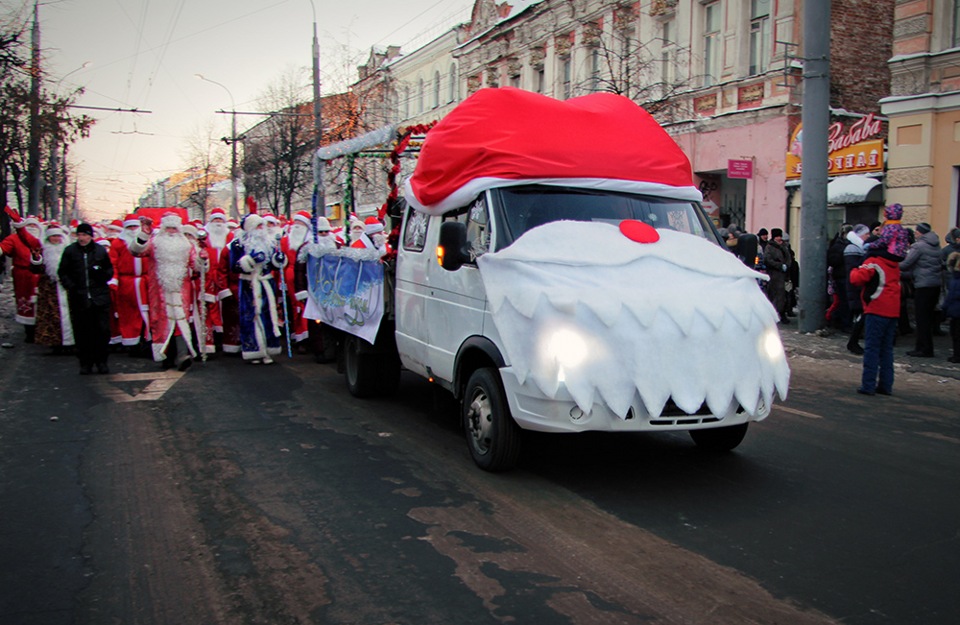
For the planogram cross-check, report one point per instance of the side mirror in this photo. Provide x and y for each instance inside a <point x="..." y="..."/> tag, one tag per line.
<point x="452" y="250"/>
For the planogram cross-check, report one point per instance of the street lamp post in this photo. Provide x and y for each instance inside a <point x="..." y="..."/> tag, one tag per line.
<point x="321" y="203"/>
<point x="234" y="212"/>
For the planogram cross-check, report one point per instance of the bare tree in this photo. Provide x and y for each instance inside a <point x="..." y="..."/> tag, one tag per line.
<point x="276" y="162"/>
<point x="647" y="72"/>
<point x="205" y="154"/>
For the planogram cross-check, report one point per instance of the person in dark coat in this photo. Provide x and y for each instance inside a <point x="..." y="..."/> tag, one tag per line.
<point x="778" y="261"/>
<point x="924" y="267"/>
<point x="853" y="256"/>
<point x="84" y="271"/>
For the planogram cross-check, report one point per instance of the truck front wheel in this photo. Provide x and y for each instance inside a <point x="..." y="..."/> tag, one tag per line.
<point x="493" y="437"/>
<point x="719" y="439"/>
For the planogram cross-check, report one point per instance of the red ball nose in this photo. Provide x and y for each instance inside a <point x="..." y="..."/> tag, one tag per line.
<point x="639" y="231"/>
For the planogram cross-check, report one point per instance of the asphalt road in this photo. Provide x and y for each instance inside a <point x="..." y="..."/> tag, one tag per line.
<point x="244" y="494"/>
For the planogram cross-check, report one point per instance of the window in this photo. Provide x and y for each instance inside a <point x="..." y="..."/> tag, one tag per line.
<point x="667" y="74"/>
<point x="955" y="39"/>
<point x="540" y="79"/>
<point x="565" y="73"/>
<point x="436" y="89"/>
<point x="711" y="44"/>
<point x="452" y="96"/>
<point x="420" y="94"/>
<point x="478" y="228"/>
<point x="759" y="36"/>
<point x="415" y="230"/>
<point x="406" y="102"/>
<point x="515" y="81"/>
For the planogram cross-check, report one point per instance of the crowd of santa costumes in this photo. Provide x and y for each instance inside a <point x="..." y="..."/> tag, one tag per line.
<point x="183" y="291"/>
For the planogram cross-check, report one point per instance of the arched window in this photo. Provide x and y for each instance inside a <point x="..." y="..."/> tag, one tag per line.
<point x="420" y="95"/>
<point x="436" y="89"/>
<point x="453" y="83"/>
<point x="406" y="102"/>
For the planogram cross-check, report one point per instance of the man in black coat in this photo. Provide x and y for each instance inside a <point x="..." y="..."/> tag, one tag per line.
<point x="84" y="271"/>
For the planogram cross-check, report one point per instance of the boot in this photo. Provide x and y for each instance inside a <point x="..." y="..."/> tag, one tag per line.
<point x="183" y="358"/>
<point x="853" y="343"/>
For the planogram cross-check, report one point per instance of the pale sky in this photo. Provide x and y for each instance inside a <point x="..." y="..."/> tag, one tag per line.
<point x="144" y="54"/>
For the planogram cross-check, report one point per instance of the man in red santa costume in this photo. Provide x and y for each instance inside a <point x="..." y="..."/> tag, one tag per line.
<point x="129" y="285"/>
<point x="172" y="269"/>
<point x="296" y="298"/>
<point x="21" y="245"/>
<point x="215" y="281"/>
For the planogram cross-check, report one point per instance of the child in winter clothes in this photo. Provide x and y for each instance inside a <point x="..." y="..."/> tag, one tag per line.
<point x="879" y="277"/>
<point x="894" y="239"/>
<point x="951" y="305"/>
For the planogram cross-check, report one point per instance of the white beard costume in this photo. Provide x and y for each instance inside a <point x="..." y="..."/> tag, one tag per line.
<point x="298" y="234"/>
<point x="217" y="234"/>
<point x="688" y="328"/>
<point x="171" y="252"/>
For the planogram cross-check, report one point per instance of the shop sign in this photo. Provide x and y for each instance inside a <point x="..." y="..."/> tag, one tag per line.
<point x="740" y="168"/>
<point x="854" y="150"/>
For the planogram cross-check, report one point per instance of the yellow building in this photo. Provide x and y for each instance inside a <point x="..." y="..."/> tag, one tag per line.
<point x="923" y="166"/>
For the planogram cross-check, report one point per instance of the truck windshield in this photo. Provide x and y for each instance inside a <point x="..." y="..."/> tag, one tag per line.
<point x="523" y="208"/>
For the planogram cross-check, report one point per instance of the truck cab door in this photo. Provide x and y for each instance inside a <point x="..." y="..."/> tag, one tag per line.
<point x="457" y="299"/>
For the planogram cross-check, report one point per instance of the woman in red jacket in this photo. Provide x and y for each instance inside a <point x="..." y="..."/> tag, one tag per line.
<point x="880" y="278"/>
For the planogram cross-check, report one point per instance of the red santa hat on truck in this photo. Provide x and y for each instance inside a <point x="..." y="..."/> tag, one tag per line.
<point x="590" y="131"/>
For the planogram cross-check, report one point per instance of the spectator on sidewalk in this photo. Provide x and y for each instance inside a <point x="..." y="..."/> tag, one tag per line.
<point x="923" y="265"/>
<point x="777" y="259"/>
<point x="853" y="256"/>
<point x="84" y="272"/>
<point x="879" y="277"/>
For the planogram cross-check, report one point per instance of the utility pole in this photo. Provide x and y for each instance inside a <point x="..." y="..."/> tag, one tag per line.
<point x="33" y="149"/>
<point x="813" y="179"/>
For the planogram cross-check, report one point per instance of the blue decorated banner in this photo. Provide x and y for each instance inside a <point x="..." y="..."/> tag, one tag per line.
<point x="348" y="293"/>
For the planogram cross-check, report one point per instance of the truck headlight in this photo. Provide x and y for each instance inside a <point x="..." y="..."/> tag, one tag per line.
<point x="771" y="347"/>
<point x="566" y="347"/>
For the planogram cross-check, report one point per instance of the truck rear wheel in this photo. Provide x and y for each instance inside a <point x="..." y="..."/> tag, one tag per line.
<point x="369" y="375"/>
<point x="719" y="439"/>
<point x="493" y="437"/>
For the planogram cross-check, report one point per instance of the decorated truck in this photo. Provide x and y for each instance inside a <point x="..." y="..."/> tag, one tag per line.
<point x="555" y="272"/>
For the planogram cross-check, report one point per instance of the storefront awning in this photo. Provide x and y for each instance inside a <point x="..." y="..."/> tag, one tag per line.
<point x="855" y="189"/>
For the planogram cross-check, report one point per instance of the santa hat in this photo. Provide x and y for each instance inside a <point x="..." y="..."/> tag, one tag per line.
<point x="251" y="221"/>
<point x="131" y="220"/>
<point x="190" y="229"/>
<point x="54" y="229"/>
<point x="323" y="224"/>
<point x="304" y="218"/>
<point x="503" y="123"/>
<point x="355" y="222"/>
<point x="74" y="224"/>
<point x="372" y="225"/>
<point x="232" y="224"/>
<point x="171" y="220"/>
<point x="270" y="219"/>
<point x="20" y="222"/>
<point x="218" y="213"/>
<point x="115" y="226"/>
